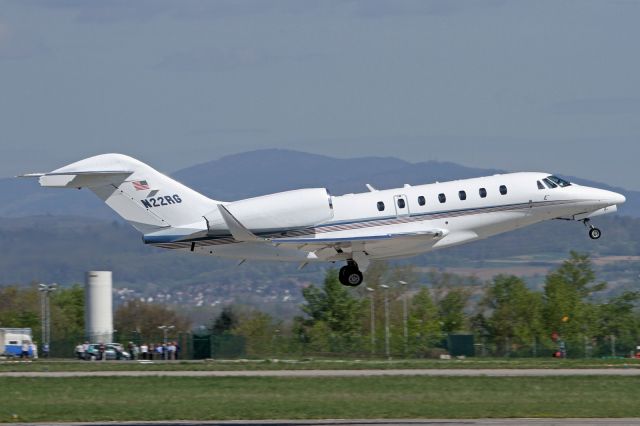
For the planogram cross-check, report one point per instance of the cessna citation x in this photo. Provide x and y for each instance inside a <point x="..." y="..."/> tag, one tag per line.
<point x="310" y="225"/>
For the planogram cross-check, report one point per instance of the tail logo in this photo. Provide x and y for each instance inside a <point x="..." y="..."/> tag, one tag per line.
<point x="140" y="185"/>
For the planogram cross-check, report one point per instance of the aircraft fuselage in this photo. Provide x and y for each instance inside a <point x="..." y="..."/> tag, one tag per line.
<point x="458" y="207"/>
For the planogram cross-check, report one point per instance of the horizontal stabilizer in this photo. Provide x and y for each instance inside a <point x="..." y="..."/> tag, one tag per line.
<point x="83" y="179"/>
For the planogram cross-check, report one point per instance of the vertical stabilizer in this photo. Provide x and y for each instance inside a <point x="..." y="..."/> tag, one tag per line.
<point x="144" y="197"/>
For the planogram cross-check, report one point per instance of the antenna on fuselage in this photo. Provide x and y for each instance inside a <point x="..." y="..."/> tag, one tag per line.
<point x="370" y="188"/>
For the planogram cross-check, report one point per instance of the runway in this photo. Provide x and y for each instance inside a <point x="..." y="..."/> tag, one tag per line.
<point x="342" y="373"/>
<point x="368" y="422"/>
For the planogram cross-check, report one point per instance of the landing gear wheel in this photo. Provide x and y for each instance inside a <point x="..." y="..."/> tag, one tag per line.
<point x="350" y="275"/>
<point x="354" y="278"/>
<point x="594" y="233"/>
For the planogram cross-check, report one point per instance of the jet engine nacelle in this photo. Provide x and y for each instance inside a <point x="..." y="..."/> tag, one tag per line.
<point x="283" y="210"/>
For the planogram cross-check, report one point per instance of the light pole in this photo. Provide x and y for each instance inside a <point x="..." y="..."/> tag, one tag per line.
<point x="373" y="321"/>
<point x="404" y="316"/>
<point x="42" y="288"/>
<point x="45" y="291"/>
<point x="165" y="329"/>
<point x="386" y="320"/>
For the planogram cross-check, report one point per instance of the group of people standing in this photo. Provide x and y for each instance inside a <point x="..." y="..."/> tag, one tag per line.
<point x="145" y="351"/>
<point x="155" y="351"/>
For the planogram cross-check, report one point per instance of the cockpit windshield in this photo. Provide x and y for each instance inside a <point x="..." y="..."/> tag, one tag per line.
<point x="558" y="181"/>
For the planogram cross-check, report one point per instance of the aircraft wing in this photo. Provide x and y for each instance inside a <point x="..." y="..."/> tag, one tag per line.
<point x="434" y="233"/>
<point x="327" y="246"/>
<point x="237" y="229"/>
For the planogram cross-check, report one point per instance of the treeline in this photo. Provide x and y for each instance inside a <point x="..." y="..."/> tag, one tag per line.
<point x="20" y="307"/>
<point x="507" y="318"/>
<point x="567" y="316"/>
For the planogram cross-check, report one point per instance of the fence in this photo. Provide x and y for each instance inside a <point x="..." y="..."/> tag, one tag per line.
<point x="203" y="346"/>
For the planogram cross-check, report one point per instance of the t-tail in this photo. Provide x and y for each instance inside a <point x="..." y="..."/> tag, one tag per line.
<point x="149" y="200"/>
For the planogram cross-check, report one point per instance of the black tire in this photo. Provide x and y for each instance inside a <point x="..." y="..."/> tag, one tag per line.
<point x="594" y="233"/>
<point x="342" y="275"/>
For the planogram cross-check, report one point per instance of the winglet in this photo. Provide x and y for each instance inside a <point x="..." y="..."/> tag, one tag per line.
<point x="238" y="231"/>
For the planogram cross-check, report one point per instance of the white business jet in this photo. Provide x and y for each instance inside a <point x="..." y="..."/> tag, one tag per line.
<point x="310" y="225"/>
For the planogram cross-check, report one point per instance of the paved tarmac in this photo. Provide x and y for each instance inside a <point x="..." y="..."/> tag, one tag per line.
<point x="342" y="373"/>
<point x="369" y="422"/>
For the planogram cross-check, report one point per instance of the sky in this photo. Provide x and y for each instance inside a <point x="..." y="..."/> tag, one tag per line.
<point x="516" y="85"/>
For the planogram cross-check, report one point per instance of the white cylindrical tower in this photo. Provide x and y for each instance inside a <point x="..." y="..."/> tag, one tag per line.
<point x="98" y="313"/>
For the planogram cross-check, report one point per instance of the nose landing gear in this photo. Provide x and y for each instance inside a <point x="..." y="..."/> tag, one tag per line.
<point x="350" y="274"/>
<point x="594" y="233"/>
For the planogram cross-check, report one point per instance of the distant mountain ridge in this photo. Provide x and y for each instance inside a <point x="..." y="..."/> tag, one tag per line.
<point x="265" y="171"/>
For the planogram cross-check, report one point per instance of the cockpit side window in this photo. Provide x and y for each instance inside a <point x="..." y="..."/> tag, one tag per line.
<point x="540" y="185"/>
<point x="549" y="183"/>
<point x="558" y="181"/>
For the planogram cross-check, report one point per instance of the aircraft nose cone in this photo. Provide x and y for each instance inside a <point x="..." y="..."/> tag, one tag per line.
<point x="613" y="197"/>
<point x="619" y="198"/>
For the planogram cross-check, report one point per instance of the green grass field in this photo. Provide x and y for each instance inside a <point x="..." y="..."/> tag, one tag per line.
<point x="316" y="364"/>
<point x="163" y="398"/>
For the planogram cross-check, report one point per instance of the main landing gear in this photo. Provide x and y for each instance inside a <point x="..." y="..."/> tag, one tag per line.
<point x="594" y="233"/>
<point x="350" y="274"/>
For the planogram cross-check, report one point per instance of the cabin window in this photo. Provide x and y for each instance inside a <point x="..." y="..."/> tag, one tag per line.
<point x="380" y="206"/>
<point x="483" y="193"/>
<point x="442" y="198"/>
<point x="540" y="185"/>
<point x="549" y="184"/>
<point x="401" y="203"/>
<point x="503" y="190"/>
<point x="421" y="200"/>
<point x="462" y="195"/>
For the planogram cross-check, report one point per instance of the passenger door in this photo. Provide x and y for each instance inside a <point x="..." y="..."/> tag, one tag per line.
<point x="401" y="204"/>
